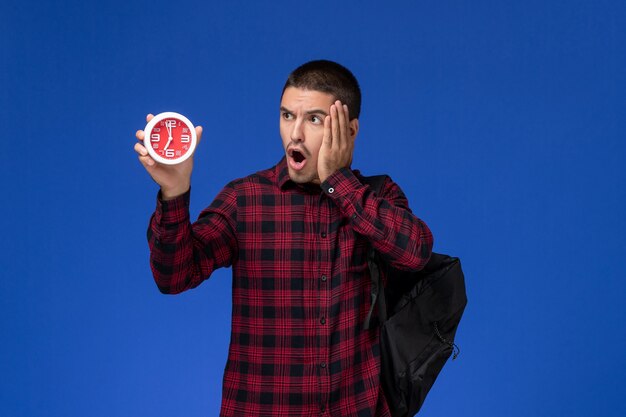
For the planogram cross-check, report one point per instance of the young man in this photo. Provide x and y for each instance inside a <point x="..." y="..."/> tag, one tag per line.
<point x="297" y="237"/>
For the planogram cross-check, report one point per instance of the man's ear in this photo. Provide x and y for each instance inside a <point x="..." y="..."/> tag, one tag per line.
<point x="354" y="127"/>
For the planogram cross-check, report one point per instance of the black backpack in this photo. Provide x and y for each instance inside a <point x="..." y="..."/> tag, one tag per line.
<point x="419" y="313"/>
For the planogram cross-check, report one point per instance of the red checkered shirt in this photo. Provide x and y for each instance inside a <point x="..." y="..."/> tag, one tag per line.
<point x="301" y="285"/>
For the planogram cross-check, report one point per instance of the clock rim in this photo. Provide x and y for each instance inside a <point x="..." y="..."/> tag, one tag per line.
<point x="148" y="130"/>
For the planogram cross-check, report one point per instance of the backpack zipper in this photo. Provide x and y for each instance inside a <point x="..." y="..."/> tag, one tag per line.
<point x="455" y="349"/>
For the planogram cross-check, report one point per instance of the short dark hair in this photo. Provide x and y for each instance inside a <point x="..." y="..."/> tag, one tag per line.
<point x="328" y="77"/>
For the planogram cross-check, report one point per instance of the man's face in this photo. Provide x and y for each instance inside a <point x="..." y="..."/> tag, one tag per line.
<point x="302" y="114"/>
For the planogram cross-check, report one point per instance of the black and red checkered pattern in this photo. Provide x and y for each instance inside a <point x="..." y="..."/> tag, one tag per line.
<point x="301" y="285"/>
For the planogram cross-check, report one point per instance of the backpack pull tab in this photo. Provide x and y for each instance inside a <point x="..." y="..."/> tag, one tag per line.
<point x="455" y="349"/>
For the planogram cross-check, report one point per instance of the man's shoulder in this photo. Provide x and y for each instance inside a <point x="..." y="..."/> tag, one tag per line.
<point x="383" y="184"/>
<point x="378" y="180"/>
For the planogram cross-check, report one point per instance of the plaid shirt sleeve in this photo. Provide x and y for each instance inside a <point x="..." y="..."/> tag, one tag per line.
<point x="403" y="240"/>
<point x="182" y="255"/>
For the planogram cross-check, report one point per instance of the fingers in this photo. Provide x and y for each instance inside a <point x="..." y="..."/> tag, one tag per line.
<point x="347" y="138"/>
<point x="143" y="155"/>
<point x="140" y="134"/>
<point x="335" y="126"/>
<point x="199" y="133"/>
<point x="327" y="139"/>
<point x="340" y="109"/>
<point x="340" y="125"/>
<point x="141" y="150"/>
<point x="139" y="147"/>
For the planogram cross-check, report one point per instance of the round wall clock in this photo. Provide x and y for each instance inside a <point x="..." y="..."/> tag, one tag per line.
<point x="170" y="138"/>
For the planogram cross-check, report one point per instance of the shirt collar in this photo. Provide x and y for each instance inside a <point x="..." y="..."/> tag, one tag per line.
<point x="282" y="173"/>
<point x="284" y="181"/>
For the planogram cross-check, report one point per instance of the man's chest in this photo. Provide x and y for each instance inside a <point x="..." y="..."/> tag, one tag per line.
<point x="291" y="219"/>
<point x="304" y="234"/>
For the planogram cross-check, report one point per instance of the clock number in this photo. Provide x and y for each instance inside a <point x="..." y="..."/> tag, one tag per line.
<point x="170" y="123"/>
<point x="185" y="138"/>
<point x="155" y="137"/>
<point x="169" y="153"/>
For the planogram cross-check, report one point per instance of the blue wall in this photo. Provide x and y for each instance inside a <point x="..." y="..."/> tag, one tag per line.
<point x="504" y="122"/>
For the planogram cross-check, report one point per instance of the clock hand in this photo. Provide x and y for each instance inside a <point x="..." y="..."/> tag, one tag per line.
<point x="169" y="140"/>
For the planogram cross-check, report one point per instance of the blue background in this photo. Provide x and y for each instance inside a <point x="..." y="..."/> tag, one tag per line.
<point x="504" y="122"/>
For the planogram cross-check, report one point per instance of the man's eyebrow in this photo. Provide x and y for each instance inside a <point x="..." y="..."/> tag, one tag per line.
<point x="308" y="112"/>
<point x="317" y="111"/>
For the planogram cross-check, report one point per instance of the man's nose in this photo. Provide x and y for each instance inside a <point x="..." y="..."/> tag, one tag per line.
<point x="297" y="133"/>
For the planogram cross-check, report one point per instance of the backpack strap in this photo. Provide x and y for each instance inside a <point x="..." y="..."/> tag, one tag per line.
<point x="377" y="289"/>
<point x="376" y="182"/>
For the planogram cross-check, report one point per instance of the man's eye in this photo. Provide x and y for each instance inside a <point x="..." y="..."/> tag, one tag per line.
<point x="287" y="116"/>
<point x="316" y="119"/>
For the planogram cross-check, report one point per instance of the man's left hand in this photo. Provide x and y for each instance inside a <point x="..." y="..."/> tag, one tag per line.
<point x="337" y="143"/>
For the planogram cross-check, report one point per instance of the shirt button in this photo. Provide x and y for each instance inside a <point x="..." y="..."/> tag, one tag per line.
<point x="354" y="216"/>
<point x="323" y="320"/>
<point x="331" y="190"/>
<point x="324" y="278"/>
<point x="324" y="234"/>
<point x="323" y="364"/>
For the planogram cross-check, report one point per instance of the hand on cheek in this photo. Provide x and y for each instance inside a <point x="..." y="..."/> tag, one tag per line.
<point x="337" y="143"/>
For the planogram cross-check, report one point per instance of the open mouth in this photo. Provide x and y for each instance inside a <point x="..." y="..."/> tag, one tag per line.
<point x="297" y="156"/>
<point x="297" y="159"/>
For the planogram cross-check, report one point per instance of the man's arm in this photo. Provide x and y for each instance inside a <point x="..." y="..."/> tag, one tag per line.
<point x="182" y="255"/>
<point x="402" y="239"/>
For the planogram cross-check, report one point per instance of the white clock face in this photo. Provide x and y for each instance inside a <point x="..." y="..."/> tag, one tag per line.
<point x="170" y="138"/>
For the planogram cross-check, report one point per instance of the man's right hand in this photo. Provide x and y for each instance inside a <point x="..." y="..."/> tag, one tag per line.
<point x="174" y="180"/>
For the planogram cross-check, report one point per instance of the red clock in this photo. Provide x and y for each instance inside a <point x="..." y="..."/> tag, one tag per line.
<point x="170" y="138"/>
